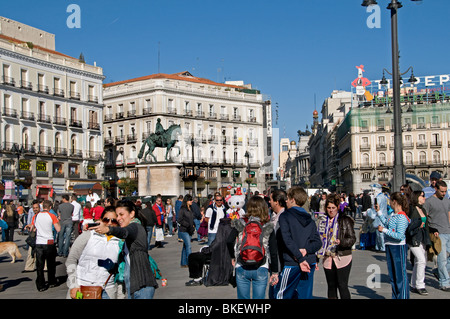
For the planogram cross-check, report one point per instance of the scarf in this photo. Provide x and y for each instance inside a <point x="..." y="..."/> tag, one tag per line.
<point x="328" y="231"/>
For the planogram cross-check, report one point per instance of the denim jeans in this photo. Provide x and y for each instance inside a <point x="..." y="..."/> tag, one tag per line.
<point x="211" y="237"/>
<point x="254" y="280"/>
<point x="186" y="250"/>
<point x="443" y="262"/>
<point x="197" y="226"/>
<point x="64" y="239"/>
<point x="143" y="293"/>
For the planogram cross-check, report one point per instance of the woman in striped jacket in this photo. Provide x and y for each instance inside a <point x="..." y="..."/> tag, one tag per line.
<point x="394" y="228"/>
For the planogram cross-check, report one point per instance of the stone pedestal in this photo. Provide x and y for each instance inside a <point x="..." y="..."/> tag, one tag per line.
<point x="159" y="178"/>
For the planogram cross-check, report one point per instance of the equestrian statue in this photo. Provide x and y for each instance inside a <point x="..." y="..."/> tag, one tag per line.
<point x="161" y="138"/>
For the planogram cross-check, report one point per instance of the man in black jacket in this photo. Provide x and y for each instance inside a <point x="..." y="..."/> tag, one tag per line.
<point x="150" y="216"/>
<point x="298" y="241"/>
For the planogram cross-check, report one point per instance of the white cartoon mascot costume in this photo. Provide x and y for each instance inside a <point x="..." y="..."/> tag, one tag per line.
<point x="235" y="204"/>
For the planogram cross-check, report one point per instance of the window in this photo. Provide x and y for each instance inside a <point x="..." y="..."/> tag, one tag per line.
<point x="408" y="158"/>
<point x="422" y="158"/>
<point x="436" y="157"/>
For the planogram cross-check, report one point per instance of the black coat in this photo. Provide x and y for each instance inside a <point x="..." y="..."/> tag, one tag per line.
<point x="186" y="220"/>
<point x="415" y="235"/>
<point x="220" y="269"/>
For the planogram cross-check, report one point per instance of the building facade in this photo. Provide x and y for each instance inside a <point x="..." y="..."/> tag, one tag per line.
<point x="226" y="130"/>
<point x="51" y="115"/>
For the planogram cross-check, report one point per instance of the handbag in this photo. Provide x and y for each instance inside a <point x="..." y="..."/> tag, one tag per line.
<point x="31" y="239"/>
<point x="93" y="292"/>
<point x="159" y="234"/>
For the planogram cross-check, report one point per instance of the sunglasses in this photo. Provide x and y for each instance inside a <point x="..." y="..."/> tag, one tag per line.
<point x="112" y="220"/>
<point x="219" y="200"/>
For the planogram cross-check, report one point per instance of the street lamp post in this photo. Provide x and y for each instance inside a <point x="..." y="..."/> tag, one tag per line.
<point x="399" y="169"/>
<point x="247" y="155"/>
<point x="194" y="177"/>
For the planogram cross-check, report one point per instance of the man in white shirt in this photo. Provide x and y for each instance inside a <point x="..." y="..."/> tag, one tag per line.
<point x="214" y="213"/>
<point x="92" y="197"/>
<point x="44" y="222"/>
<point x="76" y="215"/>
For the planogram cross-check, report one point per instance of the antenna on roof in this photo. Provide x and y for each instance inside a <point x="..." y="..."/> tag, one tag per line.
<point x="159" y="56"/>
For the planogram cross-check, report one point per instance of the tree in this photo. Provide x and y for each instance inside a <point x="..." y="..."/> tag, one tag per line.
<point x="127" y="186"/>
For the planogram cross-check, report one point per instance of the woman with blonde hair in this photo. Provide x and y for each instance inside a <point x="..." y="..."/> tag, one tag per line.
<point x="254" y="277"/>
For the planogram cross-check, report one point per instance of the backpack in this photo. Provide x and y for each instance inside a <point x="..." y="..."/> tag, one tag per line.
<point x="251" y="252"/>
<point x="155" y="267"/>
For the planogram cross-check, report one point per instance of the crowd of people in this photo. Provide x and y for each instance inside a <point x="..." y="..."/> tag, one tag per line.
<point x="106" y="242"/>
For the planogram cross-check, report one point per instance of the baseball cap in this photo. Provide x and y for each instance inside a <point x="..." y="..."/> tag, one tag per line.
<point x="435" y="175"/>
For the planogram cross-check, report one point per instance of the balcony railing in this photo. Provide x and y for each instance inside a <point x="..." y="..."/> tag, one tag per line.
<point x="93" y="98"/>
<point x="58" y="92"/>
<point x="93" y="126"/>
<point x="59" y="120"/>
<point x="59" y="151"/>
<point x="8" y="80"/>
<point x="74" y="95"/>
<point x="43" y="88"/>
<point x="27" y="116"/>
<point x="109" y="117"/>
<point x="76" y="123"/>
<point x="45" y="150"/>
<point x="26" y="85"/>
<point x="44" y="118"/>
<point x="9" y="112"/>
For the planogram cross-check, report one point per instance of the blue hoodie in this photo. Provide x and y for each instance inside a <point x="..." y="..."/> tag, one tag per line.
<point x="297" y="230"/>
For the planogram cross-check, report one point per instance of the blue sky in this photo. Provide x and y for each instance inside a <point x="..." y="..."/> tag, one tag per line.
<point x="295" y="52"/>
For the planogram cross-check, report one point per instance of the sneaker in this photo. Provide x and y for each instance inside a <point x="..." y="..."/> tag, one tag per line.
<point x="422" y="291"/>
<point x="193" y="282"/>
<point x="168" y="235"/>
<point x="444" y="288"/>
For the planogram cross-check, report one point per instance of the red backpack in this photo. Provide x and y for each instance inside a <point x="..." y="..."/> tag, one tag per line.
<point x="252" y="253"/>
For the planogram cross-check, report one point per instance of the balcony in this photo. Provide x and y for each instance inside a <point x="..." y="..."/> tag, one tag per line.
<point x="364" y="147"/>
<point x="44" y="118"/>
<point x="9" y="112"/>
<point x="109" y="118"/>
<point x="236" y="117"/>
<point x="436" y="144"/>
<point x="108" y="141"/>
<point x="253" y="142"/>
<point x="131" y="138"/>
<point x="382" y="147"/>
<point x="76" y="153"/>
<point x="188" y="113"/>
<point x="59" y="151"/>
<point x="212" y="116"/>
<point x="45" y="150"/>
<point x="26" y="85"/>
<point x="94" y="155"/>
<point x="225" y="140"/>
<point x="421" y="144"/>
<point x="59" y="121"/>
<point x="74" y="95"/>
<point x="43" y="89"/>
<point x="93" y="98"/>
<point x="76" y="123"/>
<point x="119" y="115"/>
<point x="58" y="92"/>
<point x="224" y="117"/>
<point x="252" y="119"/>
<point x="212" y="139"/>
<point x="120" y="139"/>
<point x="8" y="80"/>
<point x="200" y="114"/>
<point x="27" y="116"/>
<point x="131" y="113"/>
<point x="93" y="126"/>
<point x="172" y="110"/>
<point x="146" y="111"/>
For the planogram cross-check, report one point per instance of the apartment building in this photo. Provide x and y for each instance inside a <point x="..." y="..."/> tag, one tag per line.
<point x="51" y="114"/>
<point x="226" y="130"/>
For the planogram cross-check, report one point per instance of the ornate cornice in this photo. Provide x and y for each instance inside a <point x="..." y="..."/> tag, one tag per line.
<point x="50" y="65"/>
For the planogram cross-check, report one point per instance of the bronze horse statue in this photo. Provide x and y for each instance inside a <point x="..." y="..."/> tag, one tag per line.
<point x="167" y="140"/>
